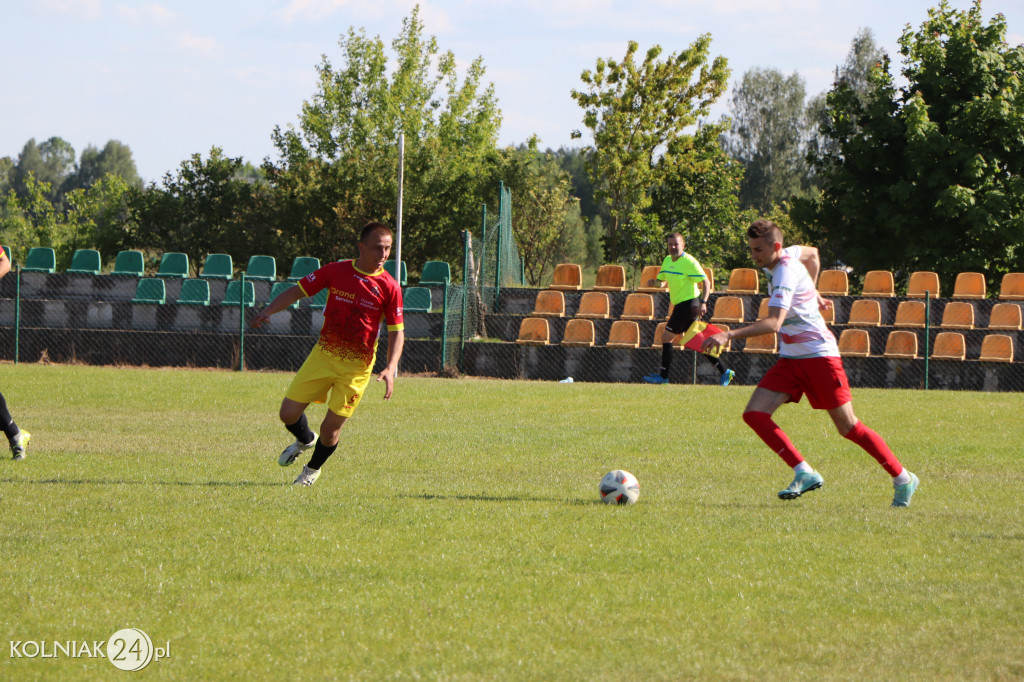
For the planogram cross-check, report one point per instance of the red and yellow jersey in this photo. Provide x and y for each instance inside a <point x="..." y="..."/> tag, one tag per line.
<point x="357" y="303"/>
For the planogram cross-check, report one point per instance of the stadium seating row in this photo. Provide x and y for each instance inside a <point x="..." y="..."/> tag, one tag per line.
<point x="197" y="292"/>
<point x="216" y="266"/>
<point x="852" y="342"/>
<point x="947" y="346"/>
<point x="595" y="305"/>
<point x="744" y="281"/>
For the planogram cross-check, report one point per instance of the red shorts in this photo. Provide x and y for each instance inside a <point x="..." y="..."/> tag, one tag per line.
<point x="822" y="379"/>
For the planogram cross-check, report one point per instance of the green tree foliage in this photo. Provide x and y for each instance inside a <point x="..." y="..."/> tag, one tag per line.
<point x="929" y="175"/>
<point x="767" y="137"/>
<point x="50" y="163"/>
<point x="546" y="216"/>
<point x="635" y="112"/>
<point x="339" y="164"/>
<point x="95" y="164"/>
<point x="698" y="197"/>
<point x="206" y="207"/>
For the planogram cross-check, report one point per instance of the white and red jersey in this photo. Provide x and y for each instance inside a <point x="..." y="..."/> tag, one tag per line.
<point x="804" y="333"/>
<point x="357" y="303"/>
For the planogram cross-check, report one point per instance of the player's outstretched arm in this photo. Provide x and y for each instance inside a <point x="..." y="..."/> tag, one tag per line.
<point x="280" y="302"/>
<point x="396" y="340"/>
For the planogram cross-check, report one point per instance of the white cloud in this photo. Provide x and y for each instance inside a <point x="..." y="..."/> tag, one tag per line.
<point x="89" y="9"/>
<point x="152" y="13"/>
<point x="190" y="41"/>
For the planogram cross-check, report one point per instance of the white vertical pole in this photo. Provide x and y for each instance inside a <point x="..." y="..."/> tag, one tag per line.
<point x="398" y="218"/>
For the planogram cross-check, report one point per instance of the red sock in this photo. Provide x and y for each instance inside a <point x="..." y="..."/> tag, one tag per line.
<point x="773" y="436"/>
<point x="876" y="447"/>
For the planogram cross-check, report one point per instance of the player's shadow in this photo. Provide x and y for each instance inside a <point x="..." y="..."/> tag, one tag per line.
<point x="485" y="498"/>
<point x="97" y="481"/>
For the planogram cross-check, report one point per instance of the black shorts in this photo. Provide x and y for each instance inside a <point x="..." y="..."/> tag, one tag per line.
<point x="683" y="315"/>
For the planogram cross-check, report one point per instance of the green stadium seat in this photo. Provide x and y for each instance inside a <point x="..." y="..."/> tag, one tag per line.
<point x="232" y="295"/>
<point x="194" y="292"/>
<point x="218" y="266"/>
<point x="319" y="300"/>
<point x="129" y="264"/>
<point x="173" y="265"/>
<point x="7" y="250"/>
<point x="261" y="268"/>
<point x="436" y="272"/>
<point x="150" y="290"/>
<point x="416" y="300"/>
<point x="389" y="265"/>
<point x="278" y="288"/>
<point x="302" y="266"/>
<point x="40" y="259"/>
<point x="86" y="262"/>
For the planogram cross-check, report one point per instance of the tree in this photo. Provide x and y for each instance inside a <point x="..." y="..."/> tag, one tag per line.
<point x="767" y="137"/>
<point x="207" y="208"/>
<point x="698" y="197"/>
<point x="49" y="163"/>
<point x="635" y="112"/>
<point x="932" y="170"/>
<point x="95" y="164"/>
<point x="338" y="166"/>
<point x="546" y="216"/>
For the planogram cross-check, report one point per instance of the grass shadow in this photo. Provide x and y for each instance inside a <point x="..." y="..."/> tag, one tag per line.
<point x="96" y="481"/>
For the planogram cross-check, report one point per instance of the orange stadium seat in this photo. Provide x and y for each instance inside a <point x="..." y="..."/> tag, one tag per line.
<point x="958" y="315"/>
<point x="969" y="285"/>
<point x="879" y="284"/>
<point x="997" y="348"/>
<point x="651" y="273"/>
<point x="638" y="307"/>
<point x="549" y="304"/>
<point x="1012" y="287"/>
<point x="728" y="309"/>
<point x="534" y="331"/>
<point x="624" y="334"/>
<point x="901" y="344"/>
<point x="1005" y="316"/>
<point x="567" y="276"/>
<point x="710" y="274"/>
<point x="865" y="313"/>
<point x="578" y="333"/>
<point x="949" y="346"/>
<point x="610" y="278"/>
<point x="855" y="343"/>
<point x="833" y="283"/>
<point x="921" y="282"/>
<point x="909" y="314"/>
<point x="762" y="343"/>
<point x="594" y="305"/>
<point x="743" y="281"/>
<point x="659" y="332"/>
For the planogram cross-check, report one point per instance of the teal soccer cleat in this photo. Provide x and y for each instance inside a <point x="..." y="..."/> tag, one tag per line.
<point x="655" y="379"/>
<point x="903" y="493"/>
<point x="803" y="482"/>
<point x="727" y="376"/>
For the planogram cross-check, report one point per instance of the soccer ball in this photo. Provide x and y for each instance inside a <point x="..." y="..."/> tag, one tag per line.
<point x="619" y="487"/>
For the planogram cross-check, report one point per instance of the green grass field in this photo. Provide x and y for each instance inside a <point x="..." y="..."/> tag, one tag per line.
<point x="457" y="534"/>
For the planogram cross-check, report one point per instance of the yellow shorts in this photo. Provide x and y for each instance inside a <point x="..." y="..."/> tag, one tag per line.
<point x="321" y="374"/>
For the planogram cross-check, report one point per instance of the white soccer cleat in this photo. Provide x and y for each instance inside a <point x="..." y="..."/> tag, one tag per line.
<point x="290" y="453"/>
<point x="18" y="445"/>
<point x="307" y="477"/>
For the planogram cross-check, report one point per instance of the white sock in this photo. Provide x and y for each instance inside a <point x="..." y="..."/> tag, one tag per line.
<point x="902" y="479"/>
<point x="803" y="468"/>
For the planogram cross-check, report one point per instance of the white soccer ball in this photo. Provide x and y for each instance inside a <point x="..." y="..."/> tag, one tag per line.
<point x="619" y="487"/>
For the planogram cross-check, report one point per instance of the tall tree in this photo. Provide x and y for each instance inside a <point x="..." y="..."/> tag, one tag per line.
<point x="94" y="164"/>
<point x="339" y="164"/>
<point x="50" y="162"/>
<point x="933" y="169"/>
<point x="767" y="137"/>
<point x="635" y="112"/>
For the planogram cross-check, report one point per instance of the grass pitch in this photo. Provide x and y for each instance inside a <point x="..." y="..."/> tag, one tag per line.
<point x="457" y="534"/>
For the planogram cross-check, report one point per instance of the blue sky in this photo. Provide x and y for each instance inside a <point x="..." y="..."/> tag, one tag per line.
<point x="173" y="78"/>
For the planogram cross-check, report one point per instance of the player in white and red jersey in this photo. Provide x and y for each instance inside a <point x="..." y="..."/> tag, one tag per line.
<point x="361" y="296"/>
<point x="809" y="363"/>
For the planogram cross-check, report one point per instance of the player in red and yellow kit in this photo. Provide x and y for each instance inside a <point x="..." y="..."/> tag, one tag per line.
<point x="15" y="436"/>
<point x="361" y="295"/>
